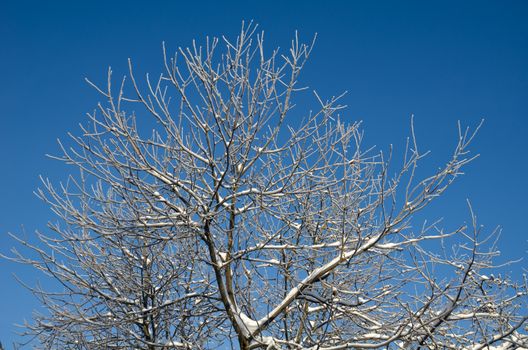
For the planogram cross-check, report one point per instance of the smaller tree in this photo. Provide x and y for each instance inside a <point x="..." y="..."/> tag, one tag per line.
<point x="230" y="225"/>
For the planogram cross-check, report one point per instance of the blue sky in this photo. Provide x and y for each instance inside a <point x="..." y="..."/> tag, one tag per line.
<point x="442" y="61"/>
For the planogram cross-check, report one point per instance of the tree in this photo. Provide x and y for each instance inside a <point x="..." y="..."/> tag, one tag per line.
<point x="210" y="219"/>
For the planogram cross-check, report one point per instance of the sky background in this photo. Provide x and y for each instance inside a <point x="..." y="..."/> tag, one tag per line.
<point x="442" y="61"/>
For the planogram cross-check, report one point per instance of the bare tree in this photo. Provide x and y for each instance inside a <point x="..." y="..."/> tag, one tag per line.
<point x="213" y="219"/>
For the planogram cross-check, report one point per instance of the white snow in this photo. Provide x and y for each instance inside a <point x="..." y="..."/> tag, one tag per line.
<point x="247" y="323"/>
<point x="387" y="245"/>
<point x="296" y="225"/>
<point x="269" y="341"/>
<point x="374" y="336"/>
<point x="127" y="252"/>
<point x="315" y="308"/>
<point x="174" y="344"/>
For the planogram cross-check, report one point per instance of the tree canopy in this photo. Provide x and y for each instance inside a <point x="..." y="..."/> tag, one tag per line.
<point x="202" y="215"/>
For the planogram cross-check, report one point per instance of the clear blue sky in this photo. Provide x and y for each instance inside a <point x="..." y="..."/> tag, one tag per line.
<point x="442" y="61"/>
